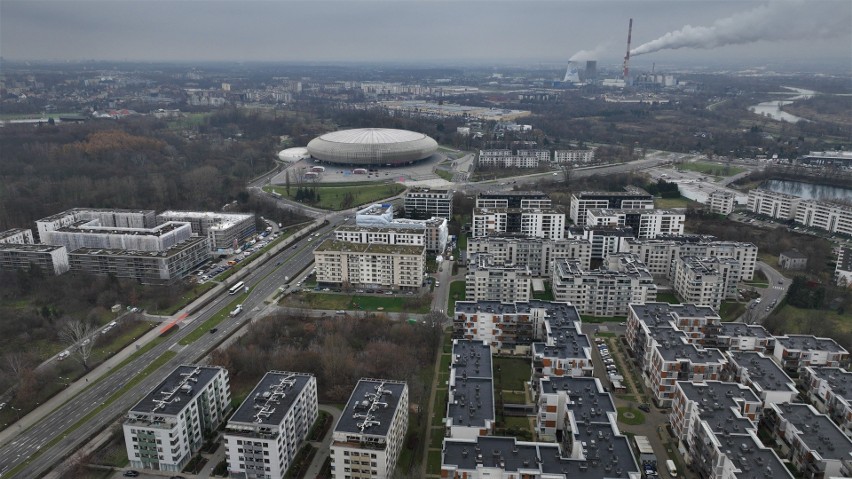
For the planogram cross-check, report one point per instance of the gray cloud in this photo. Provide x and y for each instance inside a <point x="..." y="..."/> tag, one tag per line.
<point x="412" y="31"/>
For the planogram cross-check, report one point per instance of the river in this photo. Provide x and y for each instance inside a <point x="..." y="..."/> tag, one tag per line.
<point x="773" y="110"/>
<point x="808" y="191"/>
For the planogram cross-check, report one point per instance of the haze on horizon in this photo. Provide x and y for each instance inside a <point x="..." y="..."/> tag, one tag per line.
<point x="411" y="31"/>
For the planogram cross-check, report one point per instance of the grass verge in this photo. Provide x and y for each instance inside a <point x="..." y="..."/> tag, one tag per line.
<point x="512" y="372"/>
<point x="217" y="318"/>
<point x="457" y="293"/>
<point x="336" y="198"/>
<point x="333" y="302"/>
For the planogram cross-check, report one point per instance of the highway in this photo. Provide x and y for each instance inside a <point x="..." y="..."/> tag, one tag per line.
<point x="265" y="279"/>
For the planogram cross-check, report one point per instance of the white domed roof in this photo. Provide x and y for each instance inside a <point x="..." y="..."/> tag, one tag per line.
<point x="372" y="146"/>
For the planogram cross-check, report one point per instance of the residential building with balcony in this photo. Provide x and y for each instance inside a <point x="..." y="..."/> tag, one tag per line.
<point x="470" y="391"/>
<point x="776" y="205"/>
<point x="370" y="433"/>
<point x="50" y="259"/>
<point x="536" y="254"/>
<point x="660" y="254"/>
<point x="343" y="264"/>
<point x="706" y="281"/>
<point x="762" y="375"/>
<point x="265" y="433"/>
<point x="721" y="202"/>
<point x="485" y="281"/>
<point x="425" y="203"/>
<point x="165" y="428"/>
<point x="744" y="337"/>
<point x="645" y="223"/>
<point x="223" y="230"/>
<point x="573" y="156"/>
<point x="17" y="236"/>
<point x="631" y="198"/>
<point x="796" y="351"/>
<point x="604" y="292"/>
<point x="829" y="389"/>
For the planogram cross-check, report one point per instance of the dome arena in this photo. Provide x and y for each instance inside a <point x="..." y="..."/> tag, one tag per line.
<point x="372" y="146"/>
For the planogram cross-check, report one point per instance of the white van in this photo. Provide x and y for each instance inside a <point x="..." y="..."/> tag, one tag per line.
<point x="670" y="465"/>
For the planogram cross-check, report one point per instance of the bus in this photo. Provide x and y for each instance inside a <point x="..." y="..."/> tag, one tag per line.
<point x="236" y="288"/>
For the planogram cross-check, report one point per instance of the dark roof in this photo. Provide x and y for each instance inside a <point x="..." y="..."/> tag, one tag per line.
<point x="753" y="460"/>
<point x="371" y="407"/>
<point x="817" y="431"/>
<point x="177" y="391"/>
<point x="794" y="254"/>
<point x="269" y="402"/>
<point x="717" y="402"/>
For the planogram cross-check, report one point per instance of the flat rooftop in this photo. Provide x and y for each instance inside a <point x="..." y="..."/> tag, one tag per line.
<point x="753" y="460"/>
<point x="72" y="211"/>
<point x="270" y="401"/>
<point x="588" y="400"/>
<point x="717" y="402"/>
<point x="217" y="220"/>
<point x="677" y="351"/>
<point x="509" y="194"/>
<point x="742" y="330"/>
<point x="554" y="310"/>
<point x="763" y="371"/>
<point x="653" y="313"/>
<point x="364" y="248"/>
<point x="631" y="211"/>
<point x="472" y="359"/>
<point x="29" y="248"/>
<point x="840" y="380"/>
<point x="376" y="209"/>
<point x="591" y="195"/>
<point x="371" y="407"/>
<point x="817" y="431"/>
<point x="177" y="391"/>
<point x="86" y="227"/>
<point x="13" y="232"/>
<point x="178" y="248"/>
<point x="809" y="343"/>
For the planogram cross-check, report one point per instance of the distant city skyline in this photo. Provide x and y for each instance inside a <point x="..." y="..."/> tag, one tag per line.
<point x="414" y="31"/>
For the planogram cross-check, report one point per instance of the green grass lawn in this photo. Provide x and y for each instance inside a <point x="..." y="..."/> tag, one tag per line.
<point x="513" y="397"/>
<point x="798" y="321"/>
<point x="546" y="295"/>
<point x="514" y="372"/>
<point x="462" y="242"/>
<point x="731" y="310"/>
<point x="332" y="197"/>
<point x="715" y="169"/>
<point x="636" y="419"/>
<point x="673" y="202"/>
<point x="203" y="329"/>
<point x="447" y="175"/>
<point x="333" y="301"/>
<point x="446" y="359"/>
<point x="433" y="463"/>
<point x="436" y="441"/>
<point x="519" y="422"/>
<point x="604" y="319"/>
<point x="457" y="293"/>
<point x="670" y="298"/>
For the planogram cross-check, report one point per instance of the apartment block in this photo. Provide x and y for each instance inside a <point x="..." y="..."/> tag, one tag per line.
<point x="721" y="202"/>
<point x="17" y="236"/>
<point x="744" y="337"/>
<point x="573" y="156"/>
<point x="470" y="391"/>
<point x="762" y="375"/>
<point x="813" y="444"/>
<point x="425" y="203"/>
<point x="513" y="199"/>
<point x="108" y="218"/>
<point x="631" y="198"/>
<point x="830" y="391"/>
<point x="797" y="351"/>
<point x="605" y="240"/>
<point x="548" y="224"/>
<point x="369" y="265"/>
<point x="565" y="404"/>
<point x="50" y="259"/>
<point x="715" y="424"/>
<point x="376" y="223"/>
<point x="485" y="281"/>
<point x="370" y="433"/>
<point x="776" y="205"/>
<point x="163" y="267"/>
<point x="700" y="324"/>
<point x="165" y="428"/>
<point x="660" y="254"/>
<point x="223" y="230"/>
<point x="606" y="291"/>
<point x="536" y="254"/>
<point x="498" y="158"/>
<point x="563" y="350"/>
<point x="831" y="217"/>
<point x="645" y="223"/>
<point x="264" y="434"/>
<point x="706" y="281"/>
<point x="843" y="270"/>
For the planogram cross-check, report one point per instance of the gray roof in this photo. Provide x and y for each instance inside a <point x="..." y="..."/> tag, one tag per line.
<point x="752" y="459"/>
<point x="716" y="403"/>
<point x="817" y="431"/>
<point x="763" y="371"/>
<point x="473" y="386"/>
<point x="840" y="380"/>
<point x="739" y="330"/>
<point x="809" y="343"/>
<point x="653" y="313"/>
<point x="677" y="351"/>
<point x="588" y="399"/>
<point x="363" y="415"/>
<point x="269" y="402"/>
<point x="177" y="391"/>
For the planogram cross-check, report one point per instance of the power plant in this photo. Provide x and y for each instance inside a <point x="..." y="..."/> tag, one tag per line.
<point x="627" y="55"/>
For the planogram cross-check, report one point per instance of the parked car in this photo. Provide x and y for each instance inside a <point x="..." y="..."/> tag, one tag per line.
<point x="645" y="407"/>
<point x="131" y="473"/>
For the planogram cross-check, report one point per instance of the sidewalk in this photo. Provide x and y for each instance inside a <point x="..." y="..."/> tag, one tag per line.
<point x="323" y="447"/>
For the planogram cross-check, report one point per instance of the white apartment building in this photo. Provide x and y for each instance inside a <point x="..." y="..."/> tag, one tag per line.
<point x="165" y="428"/>
<point x="470" y="391"/>
<point x="378" y="224"/>
<point x="646" y="223"/>
<point x="831" y="217"/>
<point x="542" y="155"/>
<point x="770" y="203"/>
<point x="565" y="402"/>
<point x="92" y="234"/>
<point x="830" y="391"/>
<point x="605" y="240"/>
<point x="369" y="265"/>
<point x="660" y="255"/>
<point x="573" y="156"/>
<point x="535" y="254"/>
<point x="264" y="434"/>
<point x="223" y="230"/>
<point x="797" y="351"/>
<point x="706" y="281"/>
<point x="843" y="270"/>
<point x="604" y="292"/>
<point x="506" y="159"/>
<point x="548" y="224"/>
<point x="514" y="199"/>
<point x="105" y="217"/>
<point x="485" y="281"/>
<point x="632" y="198"/>
<point x="365" y="234"/>
<point x="17" y="236"/>
<point x="721" y="202"/>
<point x="427" y="203"/>
<point x="370" y="433"/>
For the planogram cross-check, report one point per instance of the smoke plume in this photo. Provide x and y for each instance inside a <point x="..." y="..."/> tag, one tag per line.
<point x="585" y="55"/>
<point x="775" y="20"/>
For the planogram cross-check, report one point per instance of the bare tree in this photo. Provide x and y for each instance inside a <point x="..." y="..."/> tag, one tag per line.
<point x="78" y="336"/>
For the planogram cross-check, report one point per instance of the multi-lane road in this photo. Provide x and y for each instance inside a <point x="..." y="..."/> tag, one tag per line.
<point x="264" y="279"/>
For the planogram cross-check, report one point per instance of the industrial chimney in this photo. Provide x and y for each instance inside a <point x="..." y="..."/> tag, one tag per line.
<point x="627" y="55"/>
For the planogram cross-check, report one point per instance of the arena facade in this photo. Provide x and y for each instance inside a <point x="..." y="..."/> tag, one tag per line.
<point x="372" y="147"/>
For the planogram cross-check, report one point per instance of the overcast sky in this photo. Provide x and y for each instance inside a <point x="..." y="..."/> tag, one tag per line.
<point x="411" y="30"/>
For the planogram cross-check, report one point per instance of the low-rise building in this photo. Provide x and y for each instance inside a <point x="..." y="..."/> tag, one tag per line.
<point x="369" y="265"/>
<point x="573" y="156"/>
<point x="50" y="259"/>
<point x="793" y="260"/>
<point x="370" y="433"/>
<point x="830" y="390"/>
<point x="470" y="391"/>
<point x="424" y="203"/>
<point x="165" y="428"/>
<point x="223" y="230"/>
<point x="814" y="445"/>
<point x="606" y="291"/>
<point x="796" y="351"/>
<point x="706" y="281"/>
<point x="536" y="254"/>
<point x="646" y="223"/>
<point x="485" y="281"/>
<point x="264" y="434"/>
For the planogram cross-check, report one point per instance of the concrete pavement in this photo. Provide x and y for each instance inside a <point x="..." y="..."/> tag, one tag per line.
<point x="324" y="446"/>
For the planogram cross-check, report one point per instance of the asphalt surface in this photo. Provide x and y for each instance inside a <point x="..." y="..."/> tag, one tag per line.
<point x="265" y="279"/>
<point x="770" y="296"/>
